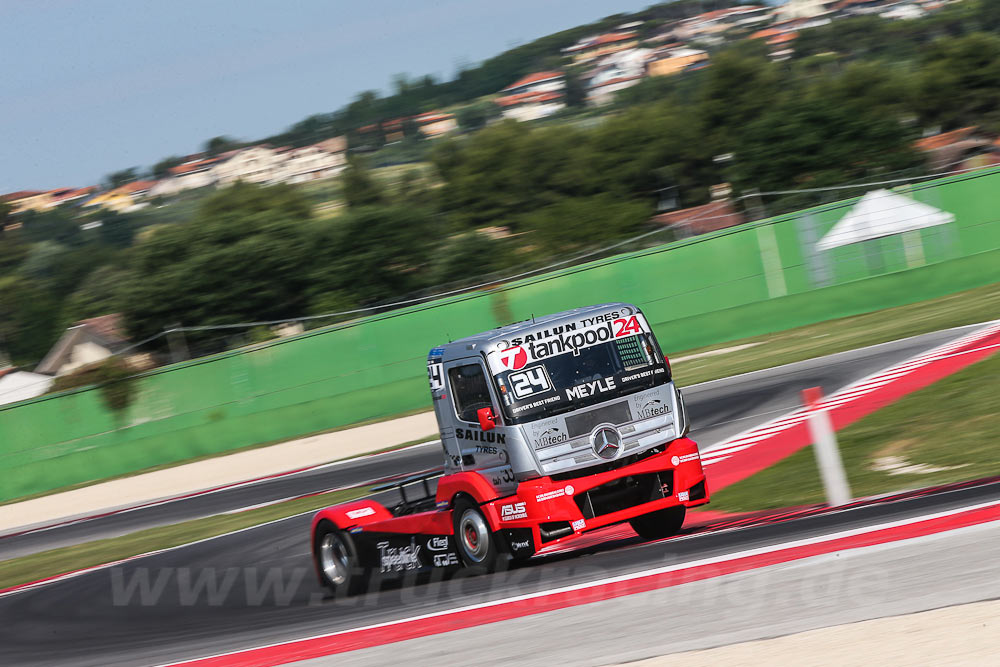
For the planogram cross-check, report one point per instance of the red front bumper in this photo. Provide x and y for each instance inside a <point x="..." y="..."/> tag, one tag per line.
<point x="672" y="477"/>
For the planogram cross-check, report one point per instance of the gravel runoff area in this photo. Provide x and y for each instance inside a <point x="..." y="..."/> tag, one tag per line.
<point x="220" y="471"/>
<point x="966" y="634"/>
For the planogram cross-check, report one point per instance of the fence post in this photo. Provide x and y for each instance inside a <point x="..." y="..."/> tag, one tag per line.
<point x="831" y="467"/>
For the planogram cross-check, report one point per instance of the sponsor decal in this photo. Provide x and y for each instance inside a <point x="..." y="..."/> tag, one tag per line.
<point x="590" y="388"/>
<point x="358" y="513"/>
<point x="653" y="408"/>
<point x="521" y="545"/>
<point x="530" y="382"/>
<point x="569" y="489"/>
<point x="549" y="437"/>
<point x="690" y="457"/>
<point x="550" y="495"/>
<point x="506" y="477"/>
<point x="513" y="511"/>
<point x="444" y="560"/>
<point x="516" y="353"/>
<point x="676" y="460"/>
<point x="636" y="376"/>
<point x="579" y="524"/>
<point x="514" y="358"/>
<point x="684" y="496"/>
<point x="435" y="375"/>
<point x="485" y="449"/>
<point x="536" y="404"/>
<point x="397" y="559"/>
<point x="355" y="529"/>
<point x="479" y="436"/>
<point x="437" y="544"/>
<point x="442" y="504"/>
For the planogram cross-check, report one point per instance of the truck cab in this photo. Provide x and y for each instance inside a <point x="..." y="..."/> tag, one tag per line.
<point x="570" y="393"/>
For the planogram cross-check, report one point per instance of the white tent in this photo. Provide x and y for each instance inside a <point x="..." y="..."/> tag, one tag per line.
<point x="21" y="385"/>
<point x="882" y="213"/>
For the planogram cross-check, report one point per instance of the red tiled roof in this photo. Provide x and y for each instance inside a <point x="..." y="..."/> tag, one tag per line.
<point x="534" y="78"/>
<point x="70" y="193"/>
<point x="620" y="79"/>
<point x="701" y="219"/>
<point x="945" y="139"/>
<point x="782" y="39"/>
<point x="110" y="327"/>
<point x="134" y="186"/>
<point x="20" y="194"/>
<point x="767" y="32"/>
<point x="188" y="167"/>
<point x="527" y="98"/>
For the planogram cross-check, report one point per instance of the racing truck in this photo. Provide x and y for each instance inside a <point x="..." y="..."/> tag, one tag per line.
<point x="550" y="428"/>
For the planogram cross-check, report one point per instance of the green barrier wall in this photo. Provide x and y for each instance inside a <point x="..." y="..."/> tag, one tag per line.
<point x="754" y="279"/>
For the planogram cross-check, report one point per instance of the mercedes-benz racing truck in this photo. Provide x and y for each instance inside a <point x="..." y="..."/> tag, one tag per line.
<point x="550" y="428"/>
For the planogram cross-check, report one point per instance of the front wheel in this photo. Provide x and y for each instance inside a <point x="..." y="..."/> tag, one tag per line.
<point x="337" y="557"/>
<point x="662" y="523"/>
<point x="478" y="547"/>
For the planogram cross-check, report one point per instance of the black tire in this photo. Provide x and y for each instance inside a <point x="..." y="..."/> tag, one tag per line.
<point x="337" y="561"/>
<point x="480" y="549"/>
<point x="662" y="523"/>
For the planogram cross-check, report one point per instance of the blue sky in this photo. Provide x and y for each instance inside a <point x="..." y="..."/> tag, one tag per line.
<point x="92" y="86"/>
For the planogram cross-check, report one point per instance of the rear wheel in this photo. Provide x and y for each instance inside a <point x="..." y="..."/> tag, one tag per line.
<point x="337" y="557"/>
<point x="659" y="524"/>
<point x="479" y="548"/>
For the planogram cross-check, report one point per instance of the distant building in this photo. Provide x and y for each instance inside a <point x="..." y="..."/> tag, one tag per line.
<point x="18" y="385"/>
<point x="27" y="200"/>
<point x="708" y="27"/>
<point x="616" y="72"/>
<point x="711" y="217"/>
<point x="314" y="162"/>
<point x="804" y="9"/>
<point x="674" y="61"/>
<point x="189" y="175"/>
<point x="534" y="96"/>
<point x="86" y="342"/>
<point x="253" y="164"/>
<point x="124" y="198"/>
<point x="598" y="46"/>
<point x="435" y="123"/>
<point x="946" y="151"/>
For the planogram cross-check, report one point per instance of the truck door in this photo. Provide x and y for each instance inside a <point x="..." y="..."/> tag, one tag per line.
<point x="482" y="451"/>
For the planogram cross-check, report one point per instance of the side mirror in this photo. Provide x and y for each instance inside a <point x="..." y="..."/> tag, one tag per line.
<point x="487" y="420"/>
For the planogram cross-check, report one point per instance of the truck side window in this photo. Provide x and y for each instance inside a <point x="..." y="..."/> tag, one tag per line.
<point x="470" y="391"/>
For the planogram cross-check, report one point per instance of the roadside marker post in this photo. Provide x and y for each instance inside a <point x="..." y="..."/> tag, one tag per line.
<point x="831" y="467"/>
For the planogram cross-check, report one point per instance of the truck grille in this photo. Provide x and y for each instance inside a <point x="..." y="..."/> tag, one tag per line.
<point x="619" y="413"/>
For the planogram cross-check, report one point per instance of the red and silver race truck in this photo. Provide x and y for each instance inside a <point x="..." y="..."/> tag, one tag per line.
<point x="550" y="428"/>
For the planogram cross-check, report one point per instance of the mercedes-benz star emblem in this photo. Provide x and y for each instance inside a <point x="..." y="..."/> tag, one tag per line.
<point x="607" y="442"/>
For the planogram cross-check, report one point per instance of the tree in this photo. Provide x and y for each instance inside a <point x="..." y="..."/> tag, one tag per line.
<point x="960" y="82"/>
<point x="384" y="253"/>
<point x="99" y="294"/>
<point x="28" y="320"/>
<point x="120" y="178"/>
<point x="220" y="144"/>
<point x="245" y="257"/>
<point x="162" y="168"/>
<point x="360" y="189"/>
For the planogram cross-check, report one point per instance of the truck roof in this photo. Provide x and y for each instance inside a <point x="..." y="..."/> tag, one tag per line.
<point x="484" y="341"/>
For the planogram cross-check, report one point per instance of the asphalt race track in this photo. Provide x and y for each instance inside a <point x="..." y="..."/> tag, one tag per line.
<point x="256" y="586"/>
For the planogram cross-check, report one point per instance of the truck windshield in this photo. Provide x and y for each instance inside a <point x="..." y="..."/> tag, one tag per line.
<point x="570" y="381"/>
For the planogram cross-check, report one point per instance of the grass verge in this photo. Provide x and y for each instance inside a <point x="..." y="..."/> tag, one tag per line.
<point x="848" y="333"/>
<point x="67" y="559"/>
<point x="947" y="432"/>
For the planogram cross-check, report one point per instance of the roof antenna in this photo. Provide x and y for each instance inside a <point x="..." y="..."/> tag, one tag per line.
<point x="532" y="318"/>
<point x="448" y="335"/>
